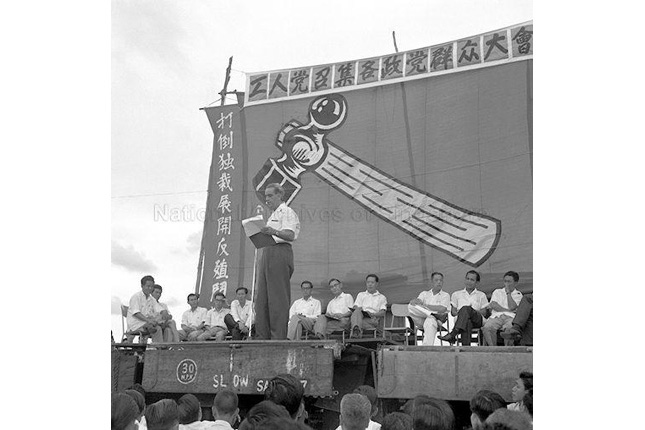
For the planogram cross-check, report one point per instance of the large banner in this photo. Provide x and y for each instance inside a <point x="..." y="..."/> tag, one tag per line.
<point x="428" y="170"/>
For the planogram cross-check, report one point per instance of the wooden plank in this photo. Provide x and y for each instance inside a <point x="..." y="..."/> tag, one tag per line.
<point x="244" y="368"/>
<point x="451" y="373"/>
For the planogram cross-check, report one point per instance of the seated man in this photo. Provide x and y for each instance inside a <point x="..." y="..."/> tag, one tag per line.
<point x="339" y="309"/>
<point x="469" y="306"/>
<point x="240" y="320"/>
<point x="503" y="303"/>
<point x="522" y="325"/>
<point x="429" y="306"/>
<point x="215" y="325"/>
<point x="303" y="312"/>
<point x="164" y="319"/>
<point x="370" y="306"/>
<point x="193" y="320"/>
<point x="141" y="312"/>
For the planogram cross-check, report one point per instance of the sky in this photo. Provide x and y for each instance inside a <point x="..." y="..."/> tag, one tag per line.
<point x="169" y="60"/>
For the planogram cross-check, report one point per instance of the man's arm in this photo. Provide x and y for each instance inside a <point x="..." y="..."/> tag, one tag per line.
<point x="284" y="234"/>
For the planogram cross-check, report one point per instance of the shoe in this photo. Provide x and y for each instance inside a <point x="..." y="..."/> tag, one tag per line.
<point x="511" y="333"/>
<point x="356" y="333"/>
<point x="450" y="338"/>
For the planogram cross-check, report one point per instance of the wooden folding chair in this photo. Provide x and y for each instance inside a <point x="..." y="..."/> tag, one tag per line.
<point x="401" y="322"/>
<point x="129" y="336"/>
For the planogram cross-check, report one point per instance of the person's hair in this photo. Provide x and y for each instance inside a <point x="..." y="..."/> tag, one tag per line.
<point x="371" y="275"/>
<point x="190" y="295"/>
<point x="139" y="400"/>
<point x="260" y="412"/>
<point x="434" y="415"/>
<point x="225" y="403"/>
<point x="146" y="279"/>
<point x="219" y="293"/>
<point x="515" y="275"/>
<point x="355" y="411"/>
<point x="334" y="279"/>
<point x="138" y="387"/>
<point x="396" y="421"/>
<point x="306" y="282"/>
<point x="277" y="188"/>
<point x="124" y="411"/>
<point x="506" y="419"/>
<point x="285" y="390"/>
<point x="371" y="395"/>
<point x="527" y="401"/>
<point x="188" y="409"/>
<point x="527" y="379"/>
<point x="476" y="273"/>
<point x="412" y="404"/>
<point x="436" y="273"/>
<point x="485" y="402"/>
<point x="246" y="290"/>
<point x="283" y="423"/>
<point x="162" y="415"/>
<point x="157" y="287"/>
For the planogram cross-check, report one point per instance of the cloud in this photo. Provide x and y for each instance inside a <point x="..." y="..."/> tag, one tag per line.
<point x="116" y="306"/>
<point x="194" y="242"/>
<point x="131" y="259"/>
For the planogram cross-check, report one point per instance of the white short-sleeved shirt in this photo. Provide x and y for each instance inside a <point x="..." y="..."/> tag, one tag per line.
<point x="477" y="299"/>
<point x="309" y="308"/>
<point x="440" y="299"/>
<point x="215" y="318"/>
<point x="194" y="318"/>
<point x="499" y="296"/>
<point x="284" y="218"/>
<point x="340" y="304"/>
<point x="242" y="313"/>
<point x="148" y="306"/>
<point x="371" y="302"/>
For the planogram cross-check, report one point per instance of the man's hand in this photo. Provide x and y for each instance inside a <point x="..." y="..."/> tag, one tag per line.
<point x="416" y="302"/>
<point x="269" y="230"/>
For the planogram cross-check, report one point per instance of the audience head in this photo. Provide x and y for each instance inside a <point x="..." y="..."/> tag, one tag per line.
<point x="411" y="404"/>
<point x="162" y="415"/>
<point x="505" y="419"/>
<point x="286" y="390"/>
<point x="261" y="412"/>
<point x="434" y="415"/>
<point x="140" y="401"/>
<point x="124" y="412"/>
<point x="138" y="387"/>
<point x="225" y="406"/>
<point x="484" y="403"/>
<point x="527" y="402"/>
<point x="397" y="421"/>
<point x="523" y="384"/>
<point x="188" y="409"/>
<point x="370" y="393"/>
<point x="355" y="412"/>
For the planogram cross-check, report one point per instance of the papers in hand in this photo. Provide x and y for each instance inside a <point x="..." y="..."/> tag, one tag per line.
<point x="252" y="227"/>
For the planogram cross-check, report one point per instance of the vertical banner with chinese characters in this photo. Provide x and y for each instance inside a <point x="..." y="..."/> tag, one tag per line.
<point x="221" y="270"/>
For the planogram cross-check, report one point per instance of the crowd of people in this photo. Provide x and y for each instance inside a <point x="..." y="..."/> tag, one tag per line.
<point x="283" y="408"/>
<point x="509" y="313"/>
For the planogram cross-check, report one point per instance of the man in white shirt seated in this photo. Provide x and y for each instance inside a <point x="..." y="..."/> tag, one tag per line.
<point x="215" y="325"/>
<point x="240" y="320"/>
<point x="429" y="306"/>
<point x="164" y="319"/>
<point x="193" y="320"/>
<point x="470" y="307"/>
<point x="339" y="309"/>
<point x="503" y="304"/>
<point x="141" y="312"/>
<point x="303" y="312"/>
<point x="369" y="308"/>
